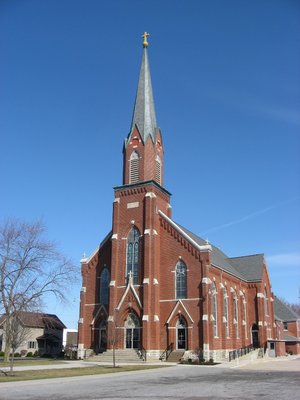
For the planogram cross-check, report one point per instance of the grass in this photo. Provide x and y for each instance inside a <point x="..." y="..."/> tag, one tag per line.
<point x="69" y="372"/>
<point x="30" y="361"/>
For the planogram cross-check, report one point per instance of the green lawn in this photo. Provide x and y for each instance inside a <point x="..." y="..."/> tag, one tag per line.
<point x="31" y="361"/>
<point x="67" y="372"/>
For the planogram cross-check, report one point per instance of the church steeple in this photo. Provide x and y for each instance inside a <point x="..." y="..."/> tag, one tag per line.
<point x="143" y="151"/>
<point x="144" y="117"/>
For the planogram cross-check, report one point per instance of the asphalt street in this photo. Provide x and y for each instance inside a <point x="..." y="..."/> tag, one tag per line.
<point x="263" y="381"/>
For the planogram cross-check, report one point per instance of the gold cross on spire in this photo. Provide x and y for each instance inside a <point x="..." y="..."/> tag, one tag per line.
<point x="145" y="42"/>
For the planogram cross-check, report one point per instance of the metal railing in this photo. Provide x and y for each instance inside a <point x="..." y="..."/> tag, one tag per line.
<point x="234" y="354"/>
<point x="166" y="353"/>
<point x="142" y="353"/>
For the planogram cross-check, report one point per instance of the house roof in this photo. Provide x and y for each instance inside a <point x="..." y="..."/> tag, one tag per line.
<point x="283" y="312"/>
<point x="248" y="268"/>
<point x="38" y="320"/>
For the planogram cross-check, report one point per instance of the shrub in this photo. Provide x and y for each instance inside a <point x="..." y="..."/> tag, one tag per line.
<point x="29" y="354"/>
<point x="35" y="354"/>
<point x="1" y="353"/>
<point x="46" y="355"/>
<point x="17" y="355"/>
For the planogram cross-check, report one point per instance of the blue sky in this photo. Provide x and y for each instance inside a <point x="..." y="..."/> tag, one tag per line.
<point x="226" y="78"/>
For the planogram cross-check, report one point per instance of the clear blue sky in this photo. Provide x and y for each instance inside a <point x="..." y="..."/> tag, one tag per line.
<point x="226" y="87"/>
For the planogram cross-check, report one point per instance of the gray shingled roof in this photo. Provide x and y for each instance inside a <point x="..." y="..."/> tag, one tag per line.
<point x="144" y="112"/>
<point x="290" y="338"/>
<point x="248" y="268"/>
<point x="283" y="312"/>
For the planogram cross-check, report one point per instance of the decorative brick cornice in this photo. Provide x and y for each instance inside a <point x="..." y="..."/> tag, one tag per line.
<point x="141" y="187"/>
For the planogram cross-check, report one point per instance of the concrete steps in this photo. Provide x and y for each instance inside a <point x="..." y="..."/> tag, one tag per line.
<point x="122" y="356"/>
<point x="175" y="356"/>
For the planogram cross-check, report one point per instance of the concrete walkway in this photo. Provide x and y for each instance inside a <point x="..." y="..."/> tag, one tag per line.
<point x="78" y="364"/>
<point x="290" y="363"/>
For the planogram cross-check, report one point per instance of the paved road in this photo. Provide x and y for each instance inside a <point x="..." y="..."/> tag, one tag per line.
<point x="177" y="382"/>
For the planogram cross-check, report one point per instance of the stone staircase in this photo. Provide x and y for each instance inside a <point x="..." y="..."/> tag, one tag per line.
<point x="175" y="356"/>
<point x="122" y="356"/>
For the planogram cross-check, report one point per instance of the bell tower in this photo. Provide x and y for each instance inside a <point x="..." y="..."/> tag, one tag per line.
<point x="135" y="244"/>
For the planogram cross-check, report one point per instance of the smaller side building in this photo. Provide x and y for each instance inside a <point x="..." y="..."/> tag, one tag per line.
<point x="287" y="329"/>
<point x="39" y="332"/>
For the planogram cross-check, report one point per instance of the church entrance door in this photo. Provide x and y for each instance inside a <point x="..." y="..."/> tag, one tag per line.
<point x="102" y="337"/>
<point x="181" y="334"/>
<point x="132" y="332"/>
<point x="255" y="337"/>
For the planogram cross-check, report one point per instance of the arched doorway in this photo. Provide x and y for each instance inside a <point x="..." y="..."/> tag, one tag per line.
<point x="255" y="336"/>
<point x="132" y="332"/>
<point x="102" y="336"/>
<point x="181" y="334"/>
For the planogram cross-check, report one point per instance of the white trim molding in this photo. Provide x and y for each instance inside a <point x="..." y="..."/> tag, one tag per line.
<point x="203" y="248"/>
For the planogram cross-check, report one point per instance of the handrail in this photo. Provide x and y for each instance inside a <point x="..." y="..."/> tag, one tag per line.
<point x="142" y="353"/>
<point x="166" y="353"/>
<point x="240" y="352"/>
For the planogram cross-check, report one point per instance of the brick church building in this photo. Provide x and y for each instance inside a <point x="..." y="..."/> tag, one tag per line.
<point x="152" y="285"/>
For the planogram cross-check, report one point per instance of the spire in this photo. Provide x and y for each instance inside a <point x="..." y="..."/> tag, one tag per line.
<point x="144" y="113"/>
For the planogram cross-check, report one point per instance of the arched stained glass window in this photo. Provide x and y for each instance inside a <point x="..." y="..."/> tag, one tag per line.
<point x="104" y="286"/>
<point x="266" y="302"/>
<point x="134" y="167"/>
<point x="245" y="315"/>
<point x="225" y="317"/>
<point x="236" y="314"/>
<point x="214" y="309"/>
<point x="180" y="280"/>
<point x="133" y="251"/>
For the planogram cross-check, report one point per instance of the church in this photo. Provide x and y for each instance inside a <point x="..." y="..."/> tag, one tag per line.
<point x="154" y="287"/>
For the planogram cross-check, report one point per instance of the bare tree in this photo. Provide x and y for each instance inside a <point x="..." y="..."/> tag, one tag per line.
<point x="17" y="334"/>
<point x="115" y="333"/>
<point x="30" y="268"/>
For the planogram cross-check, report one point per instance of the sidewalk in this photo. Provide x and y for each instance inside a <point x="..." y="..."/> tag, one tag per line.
<point x="289" y="363"/>
<point x="78" y="364"/>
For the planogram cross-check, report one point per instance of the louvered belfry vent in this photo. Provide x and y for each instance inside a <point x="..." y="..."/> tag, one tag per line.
<point x="158" y="170"/>
<point x="134" y="167"/>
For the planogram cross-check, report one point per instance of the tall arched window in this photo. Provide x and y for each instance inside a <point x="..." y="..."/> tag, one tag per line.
<point x="158" y="169"/>
<point x="133" y="250"/>
<point x="104" y="285"/>
<point x="180" y="281"/>
<point x="266" y="302"/>
<point x="134" y="167"/>
<point x="245" y="315"/>
<point x="235" y="314"/>
<point x="214" y="309"/>
<point x="225" y="317"/>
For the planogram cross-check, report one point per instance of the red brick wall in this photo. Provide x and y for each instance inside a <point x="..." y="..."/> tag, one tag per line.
<point x="147" y="157"/>
<point x="162" y="247"/>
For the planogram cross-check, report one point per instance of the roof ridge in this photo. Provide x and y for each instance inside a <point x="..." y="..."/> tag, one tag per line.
<point x="250" y="255"/>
